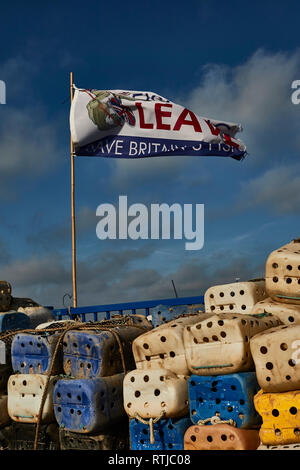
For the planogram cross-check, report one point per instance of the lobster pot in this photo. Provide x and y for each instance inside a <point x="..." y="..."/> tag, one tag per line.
<point x="166" y="313"/>
<point x="21" y="437"/>
<point x="286" y="447"/>
<point x="276" y="356"/>
<point x="227" y="396"/>
<point x="135" y="319"/>
<point x="238" y="297"/>
<point x="32" y="353"/>
<point x="89" y="405"/>
<point x="283" y="273"/>
<point x="154" y="393"/>
<point x="280" y="413"/>
<point x="74" y="441"/>
<point x="12" y="320"/>
<point x="4" y="416"/>
<point x="168" y="434"/>
<point x="90" y="354"/>
<point x="220" y="344"/>
<point x="5" y="296"/>
<point x="220" y="437"/>
<point x="24" y="398"/>
<point x="163" y="346"/>
<point x="288" y="314"/>
<point x="5" y="372"/>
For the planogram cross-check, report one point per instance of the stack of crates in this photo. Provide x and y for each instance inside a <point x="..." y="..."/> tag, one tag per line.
<point x="223" y="382"/>
<point x="88" y="403"/>
<point x="156" y="393"/>
<point x="276" y="352"/>
<point x="166" y="313"/>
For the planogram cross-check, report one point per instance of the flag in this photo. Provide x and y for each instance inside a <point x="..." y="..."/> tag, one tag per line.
<point x="135" y="124"/>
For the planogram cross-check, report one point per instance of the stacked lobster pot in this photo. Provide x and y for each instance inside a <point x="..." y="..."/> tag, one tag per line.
<point x="165" y="313"/>
<point x="156" y="393"/>
<point x="88" y="402"/>
<point x="223" y="382"/>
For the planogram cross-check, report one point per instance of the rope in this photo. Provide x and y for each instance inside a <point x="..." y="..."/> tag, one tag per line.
<point x="216" y="420"/>
<point x="150" y="423"/>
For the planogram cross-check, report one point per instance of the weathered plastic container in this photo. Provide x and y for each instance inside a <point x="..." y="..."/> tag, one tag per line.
<point x="220" y="344"/>
<point x="283" y="273"/>
<point x="228" y="396"/>
<point x="89" y="405"/>
<point x="220" y="437"/>
<point x="286" y="447"/>
<point x="12" y="320"/>
<point x="163" y="346"/>
<point x="21" y="437"/>
<point x="152" y="392"/>
<point x="24" y="398"/>
<point x="74" y="441"/>
<point x="32" y="353"/>
<point x="168" y="434"/>
<point x="5" y="296"/>
<point x="281" y="417"/>
<point x="4" y="416"/>
<point x="288" y="314"/>
<point x="90" y="354"/>
<point x="166" y="313"/>
<point x="238" y="297"/>
<point x="276" y="354"/>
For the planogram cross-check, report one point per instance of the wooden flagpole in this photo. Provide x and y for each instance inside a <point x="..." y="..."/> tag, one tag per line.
<point x="73" y="210"/>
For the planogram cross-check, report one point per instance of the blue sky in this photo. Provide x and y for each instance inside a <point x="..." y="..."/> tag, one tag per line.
<point x="233" y="61"/>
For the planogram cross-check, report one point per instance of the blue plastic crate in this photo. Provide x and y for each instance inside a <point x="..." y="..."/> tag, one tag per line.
<point x="89" y="354"/>
<point x="168" y="434"/>
<point x="231" y="396"/>
<point x="32" y="353"/>
<point x="14" y="321"/>
<point x="89" y="405"/>
<point x="165" y="313"/>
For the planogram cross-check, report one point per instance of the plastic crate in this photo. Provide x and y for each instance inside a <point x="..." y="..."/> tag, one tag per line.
<point x="117" y="441"/>
<point x="238" y="297"/>
<point x="89" y="405"/>
<point x="220" y="437"/>
<point x="220" y="344"/>
<point x="227" y="396"/>
<point x="166" y="313"/>
<point x="281" y="417"/>
<point x="89" y="354"/>
<point x="21" y="437"/>
<point x="276" y="356"/>
<point x="151" y="392"/>
<point x="168" y="434"/>
<point x="14" y="321"/>
<point x="286" y="447"/>
<point x="288" y="314"/>
<point x="24" y="398"/>
<point x="32" y="353"/>
<point x="163" y="346"/>
<point x="283" y="273"/>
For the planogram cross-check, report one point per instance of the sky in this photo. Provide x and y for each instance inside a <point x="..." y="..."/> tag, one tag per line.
<point x="234" y="61"/>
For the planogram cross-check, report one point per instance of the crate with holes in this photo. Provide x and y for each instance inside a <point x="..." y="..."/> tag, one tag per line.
<point x="22" y="437"/>
<point x="89" y="405"/>
<point x="276" y="354"/>
<point x="283" y="273"/>
<point x="220" y="437"/>
<point x="238" y="297"/>
<point x="288" y="314"/>
<point x="117" y="439"/>
<point x="25" y="392"/>
<point x="32" y="353"/>
<point x="163" y="346"/>
<point x="166" y="313"/>
<point x="91" y="354"/>
<point x="155" y="393"/>
<point x="224" y="397"/>
<point x="13" y="320"/>
<point x="280" y="413"/>
<point x="220" y="344"/>
<point x="166" y="434"/>
<point x="285" y="447"/>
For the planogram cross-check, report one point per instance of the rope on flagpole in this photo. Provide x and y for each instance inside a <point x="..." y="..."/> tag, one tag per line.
<point x="73" y="209"/>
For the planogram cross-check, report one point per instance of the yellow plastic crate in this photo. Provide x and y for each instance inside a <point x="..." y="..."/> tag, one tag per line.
<point x="280" y="413"/>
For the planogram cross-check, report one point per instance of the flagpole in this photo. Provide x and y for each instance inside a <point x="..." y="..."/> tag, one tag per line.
<point x="73" y="210"/>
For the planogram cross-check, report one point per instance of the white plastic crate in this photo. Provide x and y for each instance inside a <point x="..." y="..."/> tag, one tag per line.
<point x="220" y="344"/>
<point x="163" y="346"/>
<point x="276" y="354"/>
<point x="24" y="398"/>
<point x="151" y="392"/>
<point x="238" y="297"/>
<point x="283" y="273"/>
<point x="288" y="314"/>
